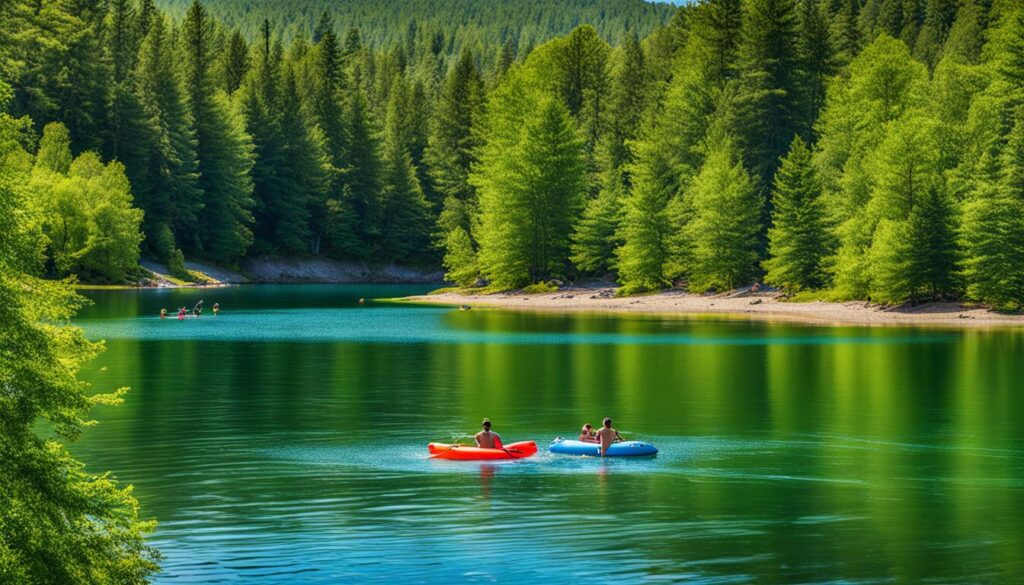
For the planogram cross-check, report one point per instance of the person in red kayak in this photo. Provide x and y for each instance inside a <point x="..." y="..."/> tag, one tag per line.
<point x="485" y="439"/>
<point x="607" y="435"/>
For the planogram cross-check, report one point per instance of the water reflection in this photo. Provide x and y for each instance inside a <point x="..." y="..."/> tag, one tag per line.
<point x="788" y="454"/>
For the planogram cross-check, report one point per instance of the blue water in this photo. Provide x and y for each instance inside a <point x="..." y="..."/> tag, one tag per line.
<point x="284" y="442"/>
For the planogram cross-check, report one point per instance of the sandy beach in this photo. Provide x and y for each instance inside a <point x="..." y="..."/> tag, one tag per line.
<point x="767" y="306"/>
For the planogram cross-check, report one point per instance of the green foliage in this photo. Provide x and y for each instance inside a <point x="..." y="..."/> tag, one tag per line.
<point x="460" y="258"/>
<point x="91" y="227"/>
<point x="725" y="224"/>
<point x="531" y="192"/>
<point x="645" y="227"/>
<point x="992" y="231"/>
<point x="452" y="147"/>
<point x="771" y="102"/>
<point x="441" y="28"/>
<point x="275" y="130"/>
<point x="167" y="182"/>
<point x="596" y="236"/>
<point x="540" y="288"/>
<point x="176" y="265"/>
<point x="798" y="238"/>
<point x="406" y="226"/>
<point x="60" y="524"/>
<point x="223" y="148"/>
<point x="225" y="163"/>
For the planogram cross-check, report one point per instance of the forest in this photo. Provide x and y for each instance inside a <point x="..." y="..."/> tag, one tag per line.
<point x="838" y="149"/>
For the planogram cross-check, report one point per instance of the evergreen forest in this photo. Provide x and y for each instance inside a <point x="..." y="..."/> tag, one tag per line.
<point x="841" y="149"/>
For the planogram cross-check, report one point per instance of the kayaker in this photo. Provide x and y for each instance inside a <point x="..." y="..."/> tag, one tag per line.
<point x="607" y="435"/>
<point x="216" y="309"/>
<point x="198" y="309"/>
<point x="163" y="313"/>
<point x="587" y="434"/>
<point x="181" y="314"/>
<point x="485" y="439"/>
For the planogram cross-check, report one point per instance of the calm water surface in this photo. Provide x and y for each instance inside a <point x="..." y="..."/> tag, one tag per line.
<point x="285" y="442"/>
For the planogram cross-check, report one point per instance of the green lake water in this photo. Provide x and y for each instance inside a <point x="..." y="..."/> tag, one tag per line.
<point x="284" y="441"/>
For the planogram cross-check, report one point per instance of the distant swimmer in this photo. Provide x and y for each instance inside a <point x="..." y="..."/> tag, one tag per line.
<point x="607" y="435"/>
<point x="216" y="309"/>
<point x="587" y="434"/>
<point x="485" y="439"/>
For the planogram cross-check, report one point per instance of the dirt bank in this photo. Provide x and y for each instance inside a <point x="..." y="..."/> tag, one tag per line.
<point x="761" y="306"/>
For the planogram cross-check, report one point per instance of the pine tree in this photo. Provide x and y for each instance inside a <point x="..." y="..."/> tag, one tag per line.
<point x="816" y="57"/>
<point x="645" y="227"/>
<point x="167" y="188"/>
<point x="339" y="216"/>
<point x="123" y="44"/>
<point x="223" y="148"/>
<point x="460" y="258"/>
<point x="580" y="71"/>
<point x="797" y="240"/>
<point x="627" y="103"/>
<point x="992" y="231"/>
<point x="529" y="200"/>
<point x="363" y="173"/>
<point x="260" y="106"/>
<point x="596" y="235"/>
<point x="846" y="33"/>
<point x="889" y="263"/>
<point x="726" y="221"/>
<point x="932" y="235"/>
<point x="405" y="231"/>
<point x="80" y="89"/>
<point x="967" y="34"/>
<point x="302" y="176"/>
<point x="236" y="62"/>
<point x="717" y="27"/>
<point x="452" y="147"/>
<point x="770" y="102"/>
<point x="130" y="134"/>
<point x="670" y="149"/>
<point x="938" y="19"/>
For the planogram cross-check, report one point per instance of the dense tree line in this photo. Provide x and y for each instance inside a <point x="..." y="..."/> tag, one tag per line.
<point x="869" y="149"/>
<point x="439" y="27"/>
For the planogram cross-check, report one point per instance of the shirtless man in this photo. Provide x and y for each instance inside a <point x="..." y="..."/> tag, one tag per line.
<point x="607" y="435"/>
<point x="485" y="439"/>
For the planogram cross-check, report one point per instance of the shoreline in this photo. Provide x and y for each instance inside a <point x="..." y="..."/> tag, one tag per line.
<point x="276" y="270"/>
<point x="765" y="306"/>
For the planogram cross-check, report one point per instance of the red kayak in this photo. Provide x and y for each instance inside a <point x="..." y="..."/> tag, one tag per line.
<point x="468" y="453"/>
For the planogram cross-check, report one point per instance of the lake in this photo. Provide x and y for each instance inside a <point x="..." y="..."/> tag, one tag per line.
<point x="284" y="441"/>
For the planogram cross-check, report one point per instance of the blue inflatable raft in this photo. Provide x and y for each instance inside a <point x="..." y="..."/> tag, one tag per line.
<point x="620" y="449"/>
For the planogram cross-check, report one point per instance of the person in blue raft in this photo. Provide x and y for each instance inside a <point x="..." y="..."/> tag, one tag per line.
<point x="607" y="435"/>
<point x="606" y="442"/>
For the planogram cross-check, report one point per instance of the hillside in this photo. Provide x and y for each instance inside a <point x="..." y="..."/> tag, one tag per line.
<point x="478" y="23"/>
